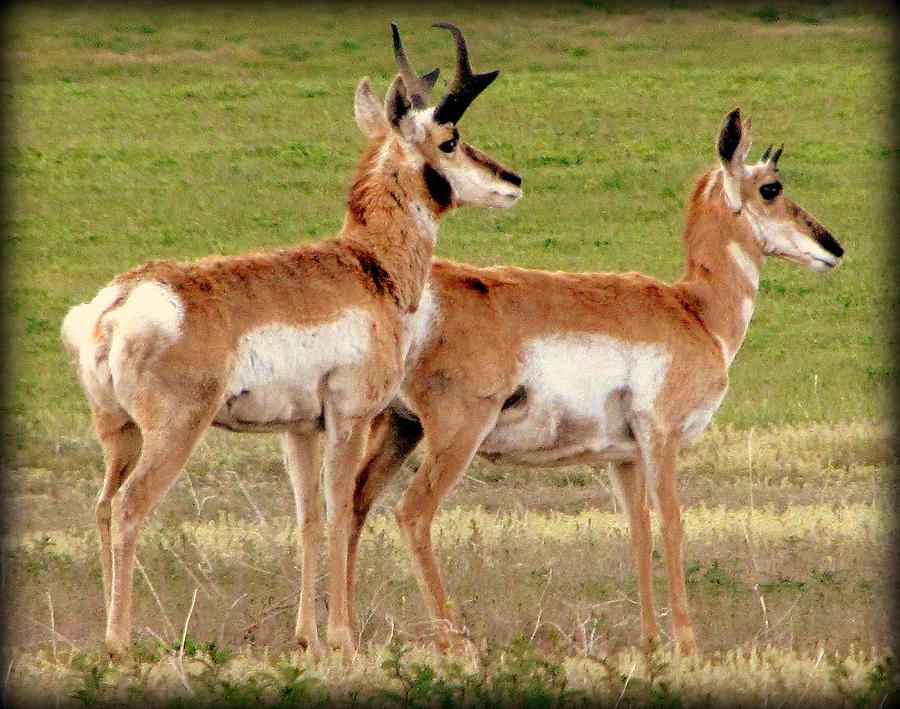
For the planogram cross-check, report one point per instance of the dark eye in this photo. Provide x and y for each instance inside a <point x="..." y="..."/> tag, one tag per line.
<point x="770" y="190"/>
<point x="448" y="146"/>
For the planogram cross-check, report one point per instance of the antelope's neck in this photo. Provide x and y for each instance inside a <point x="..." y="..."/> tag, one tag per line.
<point x="724" y="261"/>
<point x="392" y="214"/>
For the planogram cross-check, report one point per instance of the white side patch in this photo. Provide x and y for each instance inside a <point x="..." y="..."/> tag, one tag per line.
<point x="744" y="263"/>
<point x="581" y="371"/>
<point x="582" y="390"/>
<point x="424" y="220"/>
<point x="280" y="367"/>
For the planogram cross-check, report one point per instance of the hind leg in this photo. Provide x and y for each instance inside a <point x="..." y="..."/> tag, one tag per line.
<point x="391" y="440"/>
<point x="452" y="442"/>
<point x="121" y="441"/>
<point x="169" y="439"/>
<point x="630" y="487"/>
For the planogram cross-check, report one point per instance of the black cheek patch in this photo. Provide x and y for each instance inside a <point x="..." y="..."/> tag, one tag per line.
<point x="438" y="187"/>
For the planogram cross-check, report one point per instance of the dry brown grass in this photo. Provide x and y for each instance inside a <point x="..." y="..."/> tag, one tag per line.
<point x="787" y="538"/>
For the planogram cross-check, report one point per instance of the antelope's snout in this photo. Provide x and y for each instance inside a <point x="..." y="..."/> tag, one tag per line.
<point x="826" y="252"/>
<point x="506" y="185"/>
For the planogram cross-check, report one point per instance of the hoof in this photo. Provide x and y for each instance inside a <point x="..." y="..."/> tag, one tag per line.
<point x="342" y="639"/>
<point x="650" y="643"/>
<point x="115" y="648"/>
<point x="311" y="646"/>
<point x="454" y="642"/>
<point x="685" y="642"/>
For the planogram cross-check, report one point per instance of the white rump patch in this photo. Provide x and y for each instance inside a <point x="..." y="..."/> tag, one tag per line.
<point x="150" y="318"/>
<point x="744" y="263"/>
<point x="151" y="309"/>
<point x="80" y="322"/>
<point x="78" y="330"/>
<point x="280" y="368"/>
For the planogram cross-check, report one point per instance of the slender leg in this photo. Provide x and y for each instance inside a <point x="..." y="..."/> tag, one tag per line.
<point x="449" y="453"/>
<point x="344" y="450"/>
<point x="121" y="442"/>
<point x="165" y="450"/>
<point x="302" y="457"/>
<point x="391" y="441"/>
<point x="630" y="486"/>
<point x="659" y="452"/>
<point x="673" y="533"/>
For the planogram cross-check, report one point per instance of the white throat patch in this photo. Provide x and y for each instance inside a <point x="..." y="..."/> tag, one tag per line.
<point x="424" y="220"/>
<point x="744" y="263"/>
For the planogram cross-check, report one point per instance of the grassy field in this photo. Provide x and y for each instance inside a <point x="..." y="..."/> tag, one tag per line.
<point x="181" y="131"/>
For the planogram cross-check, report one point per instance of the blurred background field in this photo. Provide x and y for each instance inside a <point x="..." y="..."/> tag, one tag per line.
<point x="176" y="131"/>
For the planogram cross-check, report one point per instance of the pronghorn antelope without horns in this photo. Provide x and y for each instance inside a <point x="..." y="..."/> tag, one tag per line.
<point x="301" y="341"/>
<point x="612" y="370"/>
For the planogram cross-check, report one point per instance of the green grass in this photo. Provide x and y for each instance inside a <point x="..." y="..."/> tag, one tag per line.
<point x="131" y="143"/>
<point x="144" y="132"/>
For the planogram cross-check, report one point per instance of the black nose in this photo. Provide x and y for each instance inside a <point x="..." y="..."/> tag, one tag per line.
<point x="830" y="244"/>
<point x="511" y="177"/>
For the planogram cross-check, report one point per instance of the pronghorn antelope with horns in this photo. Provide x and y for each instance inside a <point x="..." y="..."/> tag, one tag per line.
<point x="299" y="341"/>
<point x="612" y="370"/>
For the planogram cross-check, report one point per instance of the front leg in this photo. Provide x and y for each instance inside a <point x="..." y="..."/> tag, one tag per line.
<point x="302" y="460"/>
<point x="345" y="448"/>
<point x="659" y="454"/>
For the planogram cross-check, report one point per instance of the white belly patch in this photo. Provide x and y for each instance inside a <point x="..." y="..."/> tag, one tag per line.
<point x="281" y="369"/>
<point x="580" y="390"/>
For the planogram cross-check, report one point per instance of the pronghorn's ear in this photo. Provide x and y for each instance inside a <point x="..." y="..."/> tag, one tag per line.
<point x="734" y="141"/>
<point x="399" y="113"/>
<point x="734" y="146"/>
<point x="368" y="111"/>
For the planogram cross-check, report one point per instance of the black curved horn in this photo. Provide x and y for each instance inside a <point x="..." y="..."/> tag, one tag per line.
<point x="419" y="87"/>
<point x="767" y="153"/>
<point x="466" y="85"/>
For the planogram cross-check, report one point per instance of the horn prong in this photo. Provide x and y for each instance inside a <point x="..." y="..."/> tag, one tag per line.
<point x="767" y="153"/>
<point x="466" y="84"/>
<point x="419" y="86"/>
<point x="777" y="154"/>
